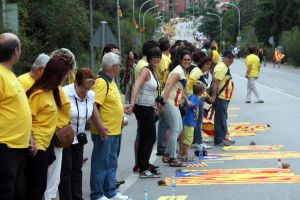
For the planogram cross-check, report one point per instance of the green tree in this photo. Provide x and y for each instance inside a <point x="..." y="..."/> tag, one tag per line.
<point x="264" y="20"/>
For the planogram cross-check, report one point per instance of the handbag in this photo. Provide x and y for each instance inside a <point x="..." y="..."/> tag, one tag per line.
<point x="64" y="137"/>
<point x="82" y="139"/>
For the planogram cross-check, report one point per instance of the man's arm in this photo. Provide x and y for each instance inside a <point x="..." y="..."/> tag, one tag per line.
<point x="215" y="87"/>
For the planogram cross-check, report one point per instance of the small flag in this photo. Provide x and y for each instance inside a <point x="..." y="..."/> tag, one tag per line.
<point x="119" y="12"/>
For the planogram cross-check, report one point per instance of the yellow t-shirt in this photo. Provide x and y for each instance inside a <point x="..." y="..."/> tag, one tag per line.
<point x="44" y="117"/>
<point x="110" y="106"/>
<point x="215" y="57"/>
<point x="222" y="73"/>
<point x="139" y="66"/>
<point x="26" y="81"/>
<point x="64" y="112"/>
<point x="163" y="66"/>
<point x="15" y="117"/>
<point x="193" y="78"/>
<point x="252" y="60"/>
<point x="178" y="88"/>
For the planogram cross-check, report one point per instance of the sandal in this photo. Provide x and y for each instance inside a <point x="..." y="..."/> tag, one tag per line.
<point x="165" y="158"/>
<point x="173" y="162"/>
<point x="187" y="159"/>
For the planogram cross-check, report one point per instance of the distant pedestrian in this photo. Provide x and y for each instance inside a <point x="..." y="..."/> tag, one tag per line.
<point x="252" y="66"/>
<point x="128" y="78"/>
<point x="278" y="56"/>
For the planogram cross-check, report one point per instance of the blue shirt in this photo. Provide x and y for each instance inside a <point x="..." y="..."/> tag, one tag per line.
<point x="190" y="117"/>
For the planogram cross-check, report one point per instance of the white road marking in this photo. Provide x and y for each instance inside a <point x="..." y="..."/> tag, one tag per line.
<point x="270" y="88"/>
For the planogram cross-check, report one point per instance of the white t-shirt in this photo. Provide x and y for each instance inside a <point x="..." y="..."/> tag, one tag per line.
<point x="84" y="108"/>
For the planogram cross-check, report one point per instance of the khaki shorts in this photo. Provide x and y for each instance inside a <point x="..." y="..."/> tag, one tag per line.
<point x="188" y="135"/>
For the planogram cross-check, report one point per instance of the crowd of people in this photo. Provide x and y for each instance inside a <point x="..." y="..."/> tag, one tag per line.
<point x="45" y="111"/>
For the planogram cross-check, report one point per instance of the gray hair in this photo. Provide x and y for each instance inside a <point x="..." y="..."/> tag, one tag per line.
<point x="40" y="61"/>
<point x="67" y="54"/>
<point x="110" y="59"/>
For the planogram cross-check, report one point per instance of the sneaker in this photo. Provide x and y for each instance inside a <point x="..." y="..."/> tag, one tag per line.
<point x="260" y="101"/>
<point x="247" y="101"/>
<point x="194" y="146"/>
<point x="118" y="196"/>
<point x="230" y="140"/>
<point x="136" y="169"/>
<point x="224" y="143"/>
<point x="149" y="174"/>
<point x="206" y="146"/>
<point x="153" y="166"/>
<point x="207" y="140"/>
<point x="103" y="198"/>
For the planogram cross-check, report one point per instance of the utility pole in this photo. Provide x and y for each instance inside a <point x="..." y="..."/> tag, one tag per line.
<point x="4" y="19"/>
<point x="91" y="35"/>
<point x="119" y="29"/>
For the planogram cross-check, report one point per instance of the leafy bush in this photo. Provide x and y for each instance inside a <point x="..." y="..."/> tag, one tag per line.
<point x="290" y="40"/>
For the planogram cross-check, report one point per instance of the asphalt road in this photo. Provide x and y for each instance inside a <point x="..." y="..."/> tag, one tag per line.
<point x="281" y="93"/>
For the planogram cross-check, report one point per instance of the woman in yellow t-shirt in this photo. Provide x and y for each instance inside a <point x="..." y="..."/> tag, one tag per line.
<point x="44" y="100"/>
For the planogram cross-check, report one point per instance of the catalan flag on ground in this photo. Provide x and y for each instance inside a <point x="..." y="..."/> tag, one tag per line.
<point x="235" y="176"/>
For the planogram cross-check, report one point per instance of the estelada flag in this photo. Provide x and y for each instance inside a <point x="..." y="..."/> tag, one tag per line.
<point x="278" y="56"/>
<point x="119" y="12"/>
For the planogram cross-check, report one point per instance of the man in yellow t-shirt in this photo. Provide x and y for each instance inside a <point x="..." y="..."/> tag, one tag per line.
<point x="252" y="66"/>
<point x="104" y="157"/>
<point x="37" y="70"/>
<point x="143" y="61"/>
<point x="162" y="75"/>
<point x="15" y="120"/>
<point x="221" y="94"/>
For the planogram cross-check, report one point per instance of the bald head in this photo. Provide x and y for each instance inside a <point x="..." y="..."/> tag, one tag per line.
<point x="9" y="48"/>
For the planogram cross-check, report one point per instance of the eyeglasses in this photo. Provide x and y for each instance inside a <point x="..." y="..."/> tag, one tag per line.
<point x="186" y="59"/>
<point x="156" y="57"/>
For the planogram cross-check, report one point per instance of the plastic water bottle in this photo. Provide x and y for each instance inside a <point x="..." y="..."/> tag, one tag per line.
<point x="279" y="166"/>
<point x="146" y="194"/>
<point x="173" y="186"/>
<point x="200" y="149"/>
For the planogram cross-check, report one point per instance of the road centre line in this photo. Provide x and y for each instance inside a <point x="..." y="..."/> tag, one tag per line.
<point x="270" y="88"/>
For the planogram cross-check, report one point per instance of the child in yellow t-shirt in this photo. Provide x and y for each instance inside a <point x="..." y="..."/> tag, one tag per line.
<point x="190" y="120"/>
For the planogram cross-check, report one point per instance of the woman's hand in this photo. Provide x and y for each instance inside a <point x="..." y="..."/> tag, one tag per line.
<point x="32" y="146"/>
<point x="128" y="109"/>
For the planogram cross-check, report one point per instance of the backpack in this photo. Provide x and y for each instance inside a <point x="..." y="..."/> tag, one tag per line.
<point x="101" y="75"/>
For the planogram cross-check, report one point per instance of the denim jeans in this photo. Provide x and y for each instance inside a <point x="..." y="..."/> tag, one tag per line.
<point x="104" y="165"/>
<point x="220" y="121"/>
<point x="173" y="119"/>
<point x="198" y="128"/>
<point x="161" y="135"/>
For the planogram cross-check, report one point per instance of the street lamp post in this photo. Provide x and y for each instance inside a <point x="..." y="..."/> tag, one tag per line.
<point x="239" y="13"/>
<point x="133" y="2"/>
<point x="221" y="27"/>
<point x="146" y="13"/>
<point x="141" y="11"/>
